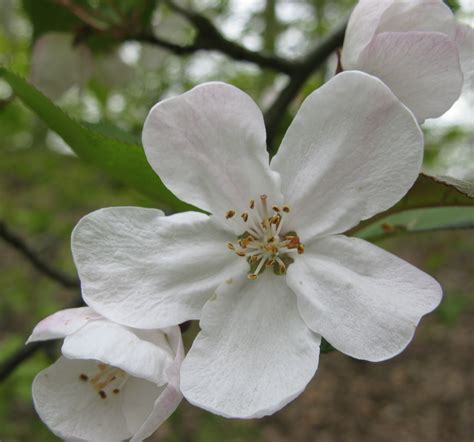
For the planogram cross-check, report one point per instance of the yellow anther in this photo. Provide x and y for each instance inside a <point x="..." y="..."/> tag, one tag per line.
<point x="229" y="214"/>
<point x="276" y="208"/>
<point x="300" y="249"/>
<point x="286" y="209"/>
<point x="252" y="204"/>
<point x="252" y="276"/>
<point x="230" y="246"/>
<point x="241" y="253"/>
<point x="245" y="216"/>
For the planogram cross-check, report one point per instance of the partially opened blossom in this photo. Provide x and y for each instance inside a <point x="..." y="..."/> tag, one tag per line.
<point x="269" y="272"/>
<point x="416" y="47"/>
<point x="112" y="383"/>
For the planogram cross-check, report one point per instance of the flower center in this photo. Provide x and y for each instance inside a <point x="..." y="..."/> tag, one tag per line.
<point x="105" y="380"/>
<point x="263" y="244"/>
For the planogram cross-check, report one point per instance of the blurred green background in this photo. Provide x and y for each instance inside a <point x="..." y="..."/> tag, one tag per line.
<point x="425" y="394"/>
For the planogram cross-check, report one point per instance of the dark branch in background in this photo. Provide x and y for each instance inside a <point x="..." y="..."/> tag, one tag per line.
<point x="27" y="351"/>
<point x="210" y="38"/>
<point x="314" y="60"/>
<point x="16" y="242"/>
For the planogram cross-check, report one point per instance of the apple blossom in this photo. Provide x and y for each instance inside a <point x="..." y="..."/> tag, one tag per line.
<point x="112" y="382"/>
<point x="269" y="272"/>
<point x="57" y="64"/>
<point x="416" y="47"/>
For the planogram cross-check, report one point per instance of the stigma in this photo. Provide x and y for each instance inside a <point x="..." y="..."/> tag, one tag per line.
<point x="264" y="242"/>
<point x="106" y="380"/>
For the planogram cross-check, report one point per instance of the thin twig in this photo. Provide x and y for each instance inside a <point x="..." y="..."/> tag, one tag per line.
<point x="315" y="59"/>
<point x="25" y="352"/>
<point x="14" y="240"/>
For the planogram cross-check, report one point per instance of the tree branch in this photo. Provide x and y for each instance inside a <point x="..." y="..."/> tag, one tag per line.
<point x="16" y="242"/>
<point x="27" y="351"/>
<point x="210" y="38"/>
<point x="303" y="71"/>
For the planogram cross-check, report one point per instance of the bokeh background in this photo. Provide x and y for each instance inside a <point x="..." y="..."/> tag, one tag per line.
<point x="424" y="394"/>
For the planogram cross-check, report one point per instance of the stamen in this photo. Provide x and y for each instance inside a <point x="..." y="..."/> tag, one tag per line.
<point x="245" y="216"/>
<point x="102" y="394"/>
<point x="229" y="214"/>
<point x="286" y="209"/>
<point x="230" y="246"/>
<point x="276" y="208"/>
<point x="252" y="204"/>
<point x="116" y="390"/>
<point x="83" y="377"/>
<point x="300" y="249"/>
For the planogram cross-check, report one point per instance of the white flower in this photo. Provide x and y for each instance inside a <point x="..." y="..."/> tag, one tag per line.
<point x="113" y="383"/>
<point x="58" y="63"/>
<point x="416" y="47"/>
<point x="352" y="151"/>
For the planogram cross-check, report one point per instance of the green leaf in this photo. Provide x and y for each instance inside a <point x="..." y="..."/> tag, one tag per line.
<point x="433" y="203"/>
<point x="122" y="160"/>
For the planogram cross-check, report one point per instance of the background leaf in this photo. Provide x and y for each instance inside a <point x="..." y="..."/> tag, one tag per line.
<point x="433" y="203"/>
<point x="122" y="160"/>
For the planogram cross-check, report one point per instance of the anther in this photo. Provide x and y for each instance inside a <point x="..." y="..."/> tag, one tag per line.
<point x="252" y="204"/>
<point x="241" y="253"/>
<point x="245" y="216"/>
<point x="276" y="208"/>
<point x="102" y="394"/>
<point x="230" y="246"/>
<point x="83" y="377"/>
<point x="116" y="391"/>
<point x="229" y="214"/>
<point x="300" y="249"/>
<point x="286" y="209"/>
<point x="252" y="276"/>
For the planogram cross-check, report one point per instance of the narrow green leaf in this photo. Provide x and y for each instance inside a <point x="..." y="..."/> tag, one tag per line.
<point x="427" y="192"/>
<point x="122" y="160"/>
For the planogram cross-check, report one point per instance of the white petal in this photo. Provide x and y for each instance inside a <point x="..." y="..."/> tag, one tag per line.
<point x="139" y="398"/>
<point x="370" y="17"/>
<point x="208" y="147"/>
<point x="145" y="270"/>
<point x="465" y="41"/>
<point x="254" y="353"/>
<point x="120" y="347"/>
<point x="353" y="150"/>
<point x="363" y="300"/>
<point x="57" y="65"/>
<point x="421" y="68"/>
<point x="72" y="409"/>
<point x="171" y="396"/>
<point x="361" y="28"/>
<point x="62" y="323"/>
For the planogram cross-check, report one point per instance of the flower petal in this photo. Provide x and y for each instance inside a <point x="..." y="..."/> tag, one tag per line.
<point x="62" y="323"/>
<point x="171" y="396"/>
<point x="140" y="355"/>
<point x="72" y="409"/>
<point x="465" y="41"/>
<point x="145" y="270"/>
<point x="370" y="17"/>
<point x="421" y="68"/>
<point x="57" y="65"/>
<point x="254" y="353"/>
<point x="363" y="300"/>
<point x="139" y="398"/>
<point x="208" y="147"/>
<point x="353" y="150"/>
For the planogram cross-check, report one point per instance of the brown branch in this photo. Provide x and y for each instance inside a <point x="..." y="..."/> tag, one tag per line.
<point x="315" y="59"/>
<point x="210" y="38"/>
<point x="25" y="352"/>
<point x="16" y="242"/>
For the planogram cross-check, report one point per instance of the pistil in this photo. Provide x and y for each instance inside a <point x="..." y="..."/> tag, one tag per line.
<point x="262" y="243"/>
